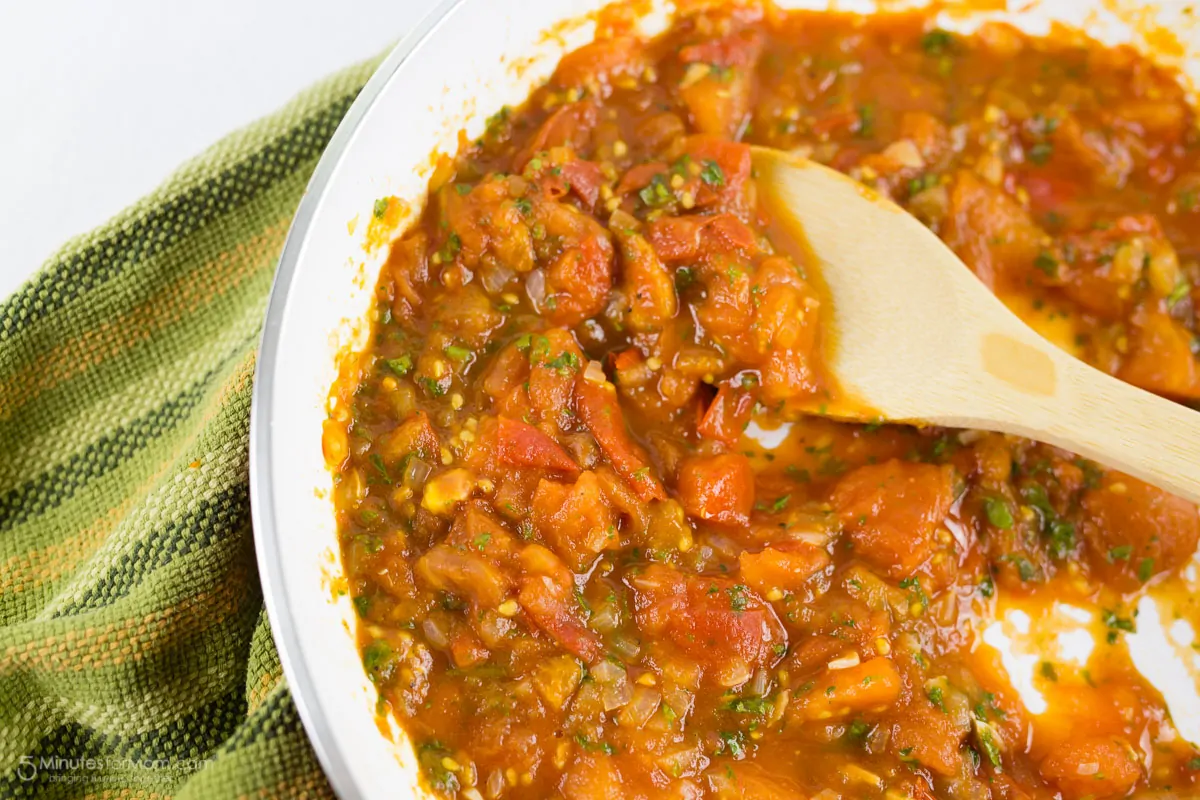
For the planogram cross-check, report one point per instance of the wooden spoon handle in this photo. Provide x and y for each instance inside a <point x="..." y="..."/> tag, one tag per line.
<point x="1113" y="423"/>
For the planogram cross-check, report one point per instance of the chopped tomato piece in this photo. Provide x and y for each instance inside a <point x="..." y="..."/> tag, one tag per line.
<point x="727" y="415"/>
<point x="639" y="175"/>
<point x="891" y="510"/>
<point x="1161" y="358"/>
<point x="601" y="413"/>
<point x="584" y="179"/>
<point x="724" y="169"/>
<point x="717" y="488"/>
<point x="554" y="362"/>
<point x="1135" y="531"/>
<point x="577" y="281"/>
<point x="648" y="286"/>
<point x="722" y="624"/>
<point x="554" y="611"/>
<point x="601" y="61"/>
<point x="465" y="572"/>
<point x="1094" y="767"/>
<point x="689" y="239"/>
<point x="783" y="567"/>
<point x="990" y="231"/>
<point x="526" y="446"/>
<point x="871" y="686"/>
<point x="569" y="125"/>
<point x="415" y="435"/>
<point x="748" y="780"/>
<point x="576" y="520"/>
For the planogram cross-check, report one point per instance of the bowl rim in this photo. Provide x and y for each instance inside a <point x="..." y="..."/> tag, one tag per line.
<point x="267" y="543"/>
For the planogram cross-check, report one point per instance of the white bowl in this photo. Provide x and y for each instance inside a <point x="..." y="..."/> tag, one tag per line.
<point x="458" y="66"/>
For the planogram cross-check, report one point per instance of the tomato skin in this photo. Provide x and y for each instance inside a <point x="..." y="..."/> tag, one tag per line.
<point x="690" y="239"/>
<point x="601" y="414"/>
<point x="523" y="445"/>
<point x="717" y="488"/>
<point x="890" y="512"/>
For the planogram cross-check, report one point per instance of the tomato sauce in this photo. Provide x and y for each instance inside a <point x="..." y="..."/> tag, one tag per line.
<point x="579" y="568"/>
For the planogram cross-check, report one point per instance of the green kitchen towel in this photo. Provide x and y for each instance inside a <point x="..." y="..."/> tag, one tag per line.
<point x="136" y="659"/>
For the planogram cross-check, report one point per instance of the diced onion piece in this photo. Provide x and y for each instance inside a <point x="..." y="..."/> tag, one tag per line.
<point x="436" y="633"/>
<point x="615" y="690"/>
<point x="594" y="372"/>
<point x="1090" y="768"/>
<point x="847" y="661"/>
<point x="606" y="618"/>
<point x="759" y="683"/>
<point x="416" y="473"/>
<point x="626" y="646"/>
<point x="856" y="774"/>
<point x="641" y="706"/>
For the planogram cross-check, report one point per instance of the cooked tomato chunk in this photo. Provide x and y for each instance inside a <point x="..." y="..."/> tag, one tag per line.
<point x="720" y="623"/>
<point x="1098" y="767"/>
<point x="1135" y="531"/>
<point x="717" y="488"/>
<point x="890" y="512"/>
<point x="576" y="520"/>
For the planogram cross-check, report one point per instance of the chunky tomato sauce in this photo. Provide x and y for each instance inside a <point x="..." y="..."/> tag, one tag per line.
<point x="579" y="570"/>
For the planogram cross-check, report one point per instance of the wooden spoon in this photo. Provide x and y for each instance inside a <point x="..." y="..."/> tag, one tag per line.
<point x="918" y="338"/>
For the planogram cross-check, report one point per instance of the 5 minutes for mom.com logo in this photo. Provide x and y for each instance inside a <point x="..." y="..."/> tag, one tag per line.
<point x="57" y="769"/>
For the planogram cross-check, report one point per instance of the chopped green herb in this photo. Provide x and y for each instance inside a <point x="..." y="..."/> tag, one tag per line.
<point x="998" y="512"/>
<point x="593" y="747"/>
<point x="937" y="42"/>
<point x="381" y="468"/>
<point x="866" y="120"/>
<point x="858" y="730"/>
<point x="402" y="365"/>
<point x="987" y="740"/>
<point x="1062" y="538"/>
<point x="1145" y="569"/>
<point x="656" y="193"/>
<point x="712" y="174"/>
<point x="1047" y="263"/>
<point x="987" y="586"/>
<point x="376" y="655"/>
<point x="936" y="696"/>
<point x="732" y="743"/>
<point x="1181" y="290"/>
<point x="1040" y="153"/>
<point x="1119" y="553"/>
<point x="684" y="277"/>
<point x="737" y="597"/>
<point x="457" y="353"/>
<point x="1048" y="671"/>
<point x="381" y="207"/>
<point x="750" y="705"/>
<point x="462" y="188"/>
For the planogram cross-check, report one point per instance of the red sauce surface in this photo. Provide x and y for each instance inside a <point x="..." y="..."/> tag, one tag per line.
<point x="578" y="577"/>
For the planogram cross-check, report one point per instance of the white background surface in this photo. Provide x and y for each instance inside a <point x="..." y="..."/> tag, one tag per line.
<point x="101" y="99"/>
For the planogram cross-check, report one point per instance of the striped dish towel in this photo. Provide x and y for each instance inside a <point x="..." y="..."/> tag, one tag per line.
<point x="136" y="659"/>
